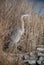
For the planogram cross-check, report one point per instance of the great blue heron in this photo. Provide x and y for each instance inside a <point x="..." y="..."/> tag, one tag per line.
<point x="19" y="32"/>
<point x="16" y="34"/>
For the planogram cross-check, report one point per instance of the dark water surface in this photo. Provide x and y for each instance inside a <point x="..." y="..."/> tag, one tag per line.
<point x="37" y="5"/>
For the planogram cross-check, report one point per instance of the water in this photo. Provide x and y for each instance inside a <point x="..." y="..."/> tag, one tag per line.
<point x="37" y="5"/>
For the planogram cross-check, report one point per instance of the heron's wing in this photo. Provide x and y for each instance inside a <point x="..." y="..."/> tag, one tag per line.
<point x="38" y="6"/>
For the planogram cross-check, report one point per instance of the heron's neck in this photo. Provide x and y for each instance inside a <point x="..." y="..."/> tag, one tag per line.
<point x="22" y="22"/>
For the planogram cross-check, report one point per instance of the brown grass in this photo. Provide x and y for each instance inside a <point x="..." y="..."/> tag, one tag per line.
<point x="11" y="18"/>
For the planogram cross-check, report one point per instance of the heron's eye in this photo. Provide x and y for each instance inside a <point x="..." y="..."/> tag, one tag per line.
<point x="6" y="46"/>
